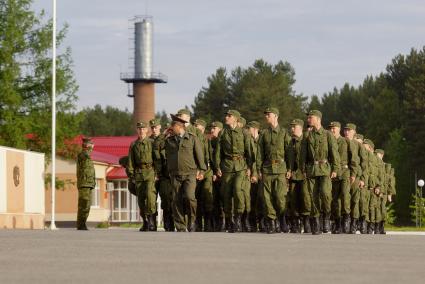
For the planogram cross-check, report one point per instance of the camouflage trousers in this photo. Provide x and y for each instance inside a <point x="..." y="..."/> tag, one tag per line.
<point x="84" y="203"/>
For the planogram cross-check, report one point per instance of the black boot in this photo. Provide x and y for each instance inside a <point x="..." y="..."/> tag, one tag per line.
<point x="145" y="226"/>
<point x="316" y="226"/>
<point x="295" y="225"/>
<point x="283" y="224"/>
<point x="198" y="224"/>
<point x="363" y="225"/>
<point x="369" y="228"/>
<point x="151" y="223"/>
<point x="228" y="224"/>
<point x="382" y="228"/>
<point x="237" y="223"/>
<point x="247" y="224"/>
<point x="306" y="225"/>
<point x="346" y="224"/>
<point x="353" y="228"/>
<point x="277" y="227"/>
<point x="337" y="226"/>
<point x="270" y="226"/>
<point x="326" y="223"/>
<point x="222" y="225"/>
<point x="321" y="220"/>
<point x="262" y="225"/>
<point x="376" y="229"/>
<point x="208" y="227"/>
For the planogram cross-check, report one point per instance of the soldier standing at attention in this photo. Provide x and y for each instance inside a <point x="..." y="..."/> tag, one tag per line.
<point x="274" y="164"/>
<point x="297" y="186"/>
<point x="346" y="176"/>
<point x="256" y="214"/>
<point x="233" y="160"/>
<point x="246" y="183"/>
<point x="141" y="158"/>
<point x="185" y="161"/>
<point x="86" y="181"/>
<point x="371" y="193"/>
<point x="321" y="158"/>
<point x="384" y="174"/>
<point x="218" y="194"/>
<point x="204" y="188"/>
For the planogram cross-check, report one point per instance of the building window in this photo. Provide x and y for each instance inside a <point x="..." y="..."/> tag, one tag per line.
<point x="95" y="195"/>
<point x="124" y="204"/>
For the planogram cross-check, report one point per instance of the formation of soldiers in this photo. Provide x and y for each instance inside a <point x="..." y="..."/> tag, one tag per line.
<point x="240" y="178"/>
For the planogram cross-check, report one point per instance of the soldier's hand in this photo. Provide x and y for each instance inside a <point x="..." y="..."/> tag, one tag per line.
<point x="377" y="190"/>
<point x="200" y="176"/>
<point x="214" y="177"/>
<point x="305" y="175"/>
<point x="361" y="184"/>
<point x="254" y="180"/>
<point x="219" y="173"/>
<point x="390" y="199"/>
<point x="352" y="180"/>
<point x="288" y="174"/>
<point x="156" y="178"/>
<point x="260" y="176"/>
<point x="248" y="172"/>
<point x="333" y="175"/>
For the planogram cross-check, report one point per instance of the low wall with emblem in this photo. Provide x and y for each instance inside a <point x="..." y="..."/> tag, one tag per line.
<point x="21" y="189"/>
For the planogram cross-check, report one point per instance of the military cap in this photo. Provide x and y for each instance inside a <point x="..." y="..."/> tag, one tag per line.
<point x="233" y="112"/>
<point x="315" y="113"/>
<point x="369" y="142"/>
<point x="380" y="151"/>
<point x="154" y="122"/>
<point x="271" y="110"/>
<point x="335" y="124"/>
<point x="297" y="121"/>
<point x="350" y="126"/>
<point x="87" y="140"/>
<point x="254" y="124"/>
<point x="217" y="124"/>
<point x="359" y="136"/>
<point x="200" y="122"/>
<point x="175" y="118"/>
<point x="141" y="124"/>
<point x="183" y="111"/>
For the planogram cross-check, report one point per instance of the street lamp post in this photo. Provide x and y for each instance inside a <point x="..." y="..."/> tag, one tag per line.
<point x="53" y="183"/>
<point x="421" y="184"/>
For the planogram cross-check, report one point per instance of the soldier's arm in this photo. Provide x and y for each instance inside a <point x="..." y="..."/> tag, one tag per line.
<point x="199" y="154"/>
<point x="248" y="153"/>
<point x="289" y="152"/>
<point x="364" y="163"/>
<point x="259" y="156"/>
<point x="303" y="155"/>
<point x="333" y="153"/>
<point x="354" y="160"/>
<point x="130" y="166"/>
<point x="217" y="156"/>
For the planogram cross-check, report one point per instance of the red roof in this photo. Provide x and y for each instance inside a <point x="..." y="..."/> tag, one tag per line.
<point x="104" y="157"/>
<point x="113" y="145"/>
<point x="116" y="173"/>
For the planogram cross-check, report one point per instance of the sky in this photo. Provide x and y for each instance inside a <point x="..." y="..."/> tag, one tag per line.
<point x="327" y="42"/>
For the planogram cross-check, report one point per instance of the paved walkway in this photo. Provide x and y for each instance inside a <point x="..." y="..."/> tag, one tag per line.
<point x="128" y="256"/>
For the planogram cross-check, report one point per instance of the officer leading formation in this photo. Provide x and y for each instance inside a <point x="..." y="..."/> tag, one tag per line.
<point x="240" y="178"/>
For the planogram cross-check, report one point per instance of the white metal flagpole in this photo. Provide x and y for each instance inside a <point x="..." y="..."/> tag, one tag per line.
<point x="53" y="183"/>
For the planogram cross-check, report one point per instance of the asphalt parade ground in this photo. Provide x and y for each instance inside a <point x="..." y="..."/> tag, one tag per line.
<point x="128" y="256"/>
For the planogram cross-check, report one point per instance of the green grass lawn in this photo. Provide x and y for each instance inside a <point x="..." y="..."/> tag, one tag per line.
<point x="404" y="228"/>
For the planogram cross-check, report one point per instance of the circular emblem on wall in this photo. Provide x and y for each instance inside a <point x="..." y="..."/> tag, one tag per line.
<point x="16" y="176"/>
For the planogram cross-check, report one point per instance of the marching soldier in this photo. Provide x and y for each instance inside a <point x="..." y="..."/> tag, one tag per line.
<point x="141" y="159"/>
<point x="346" y="176"/>
<point x="274" y="164"/>
<point x="385" y="170"/>
<point x="233" y="160"/>
<point x="321" y="158"/>
<point x="162" y="185"/>
<point x="256" y="214"/>
<point x="246" y="183"/>
<point x="86" y="181"/>
<point x="297" y="186"/>
<point x="185" y="161"/>
<point x="360" y="193"/>
<point x="218" y="194"/>
<point x="371" y="194"/>
<point x="204" y="189"/>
